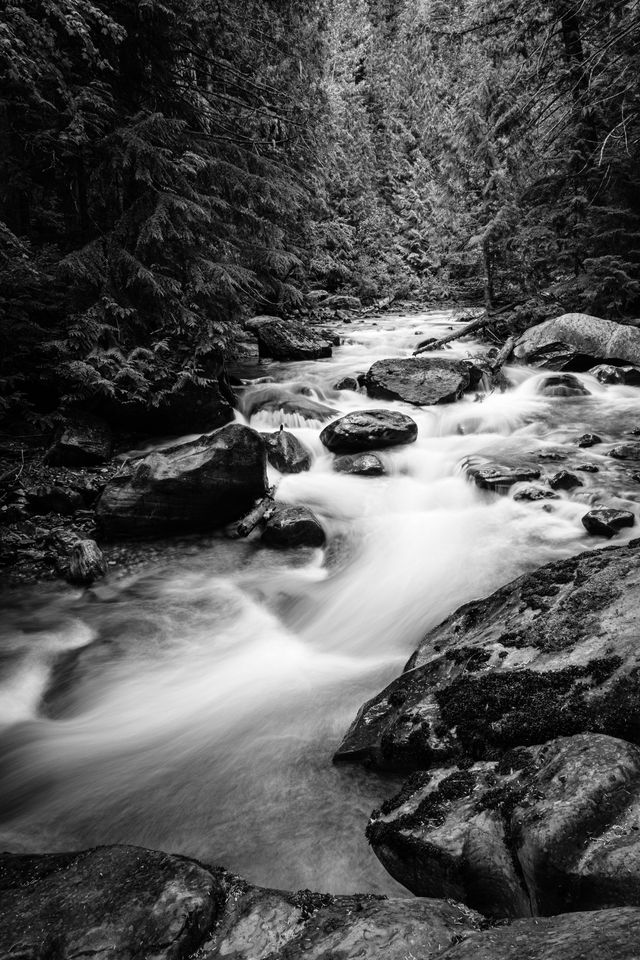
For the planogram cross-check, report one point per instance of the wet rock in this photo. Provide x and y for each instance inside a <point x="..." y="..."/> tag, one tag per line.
<point x="595" y="935"/>
<point x="364" y="465"/>
<point x="552" y="654"/>
<point x="347" y="383"/>
<point x="293" y="527"/>
<point x="330" y="335"/>
<point x="607" y="373"/>
<point x="499" y="477"/>
<point x="83" y="441"/>
<point x="626" y="451"/>
<point x="577" y="341"/>
<point x="533" y="493"/>
<point x="548" y="829"/>
<point x="53" y="499"/>
<point x="108" y="902"/>
<point x="563" y="480"/>
<point x="129" y="902"/>
<point x="200" y="485"/>
<point x="287" y="339"/>
<point x="286" y="453"/>
<point x="275" y="400"/>
<point x="369" y="430"/>
<point x="562" y="385"/>
<point x="606" y="522"/>
<point x="589" y="468"/>
<point x="86" y="563"/>
<point x="588" y="440"/>
<point x="418" y="380"/>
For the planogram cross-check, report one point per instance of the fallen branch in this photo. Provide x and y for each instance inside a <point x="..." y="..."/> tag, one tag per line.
<point x="503" y="355"/>
<point x="261" y="511"/>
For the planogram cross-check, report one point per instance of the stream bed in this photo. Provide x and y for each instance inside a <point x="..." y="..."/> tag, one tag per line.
<point x="194" y="703"/>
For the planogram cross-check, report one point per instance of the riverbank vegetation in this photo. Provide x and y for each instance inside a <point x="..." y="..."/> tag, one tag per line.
<point x="169" y="168"/>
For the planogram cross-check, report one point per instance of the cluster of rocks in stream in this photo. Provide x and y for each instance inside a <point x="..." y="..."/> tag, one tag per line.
<point x="126" y="902"/>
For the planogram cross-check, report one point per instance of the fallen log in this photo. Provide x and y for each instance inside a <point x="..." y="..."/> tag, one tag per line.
<point x="261" y="511"/>
<point x="433" y="344"/>
<point x="503" y="355"/>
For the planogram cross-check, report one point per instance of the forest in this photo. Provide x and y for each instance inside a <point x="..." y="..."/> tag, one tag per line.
<point x="169" y="167"/>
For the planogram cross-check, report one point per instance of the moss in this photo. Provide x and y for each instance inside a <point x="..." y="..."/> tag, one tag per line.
<point x="432" y="810"/>
<point x="414" y="783"/>
<point x="471" y="658"/>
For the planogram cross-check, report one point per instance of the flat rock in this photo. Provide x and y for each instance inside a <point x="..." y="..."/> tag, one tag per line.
<point x="363" y="465"/>
<point x="286" y="453"/>
<point x="369" y="430"/>
<point x="288" y="339"/>
<point x="128" y="902"/>
<point x="554" y="653"/>
<point x="200" y="485"/>
<point x="578" y="341"/>
<point x="418" y="380"/>
<point x="626" y="451"/>
<point x="83" y="441"/>
<point x="500" y="477"/>
<point x="607" y="521"/>
<point x="562" y="385"/>
<point x="549" y="829"/>
<point x="293" y="527"/>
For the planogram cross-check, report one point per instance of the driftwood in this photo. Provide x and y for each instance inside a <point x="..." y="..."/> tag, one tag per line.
<point x="261" y="511"/>
<point x="503" y="355"/>
<point x="433" y="344"/>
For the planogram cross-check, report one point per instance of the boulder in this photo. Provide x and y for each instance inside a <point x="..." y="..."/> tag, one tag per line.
<point x="200" y="485"/>
<point x="341" y="301"/>
<point x="369" y="430"/>
<point x="588" y="440"/>
<point x="626" y="451"/>
<point x="86" y="563"/>
<point x="499" y="477"/>
<point x="577" y="341"/>
<point x="128" y="902"/>
<point x="83" y="441"/>
<point x="418" y="380"/>
<point x="363" y="465"/>
<point x="607" y="373"/>
<point x="293" y="527"/>
<point x="554" y="653"/>
<point x="563" y="480"/>
<point x="562" y="385"/>
<point x="347" y="383"/>
<point x="286" y="453"/>
<point x="546" y="830"/>
<point x="606" y="522"/>
<point x="287" y="339"/>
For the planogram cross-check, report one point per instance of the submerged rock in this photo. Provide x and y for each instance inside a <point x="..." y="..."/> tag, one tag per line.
<point x="275" y="400"/>
<point x="200" y="485"/>
<point x="606" y="522"/>
<point x="286" y="453"/>
<point x="543" y="831"/>
<point x="562" y="385"/>
<point x="369" y="430"/>
<point x="499" y="477"/>
<point x="293" y="527"/>
<point x="287" y="339"/>
<point x="364" y="465"/>
<point x="577" y="341"/>
<point x="418" y="380"/>
<point x="552" y="654"/>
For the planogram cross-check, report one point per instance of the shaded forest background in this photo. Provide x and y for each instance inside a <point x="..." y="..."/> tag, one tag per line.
<point x="171" y="167"/>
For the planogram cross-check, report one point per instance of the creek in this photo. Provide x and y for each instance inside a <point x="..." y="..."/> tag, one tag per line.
<point x="193" y="703"/>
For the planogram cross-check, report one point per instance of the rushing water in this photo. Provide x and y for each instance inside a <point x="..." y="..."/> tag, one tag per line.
<point x="194" y="705"/>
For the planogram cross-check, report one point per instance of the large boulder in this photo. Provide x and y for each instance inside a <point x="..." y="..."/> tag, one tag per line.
<point x="544" y="831"/>
<point x="287" y="339"/>
<point x="83" y="441"/>
<point x="418" y="380"/>
<point x="128" y="902"/>
<point x="200" y="485"/>
<point x="554" y="653"/>
<point x="286" y="453"/>
<point x="577" y="341"/>
<point x="369" y="430"/>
